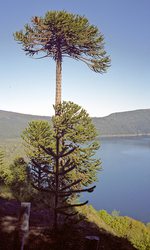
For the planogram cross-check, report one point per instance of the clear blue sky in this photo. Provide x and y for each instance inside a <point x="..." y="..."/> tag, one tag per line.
<point x="28" y="85"/>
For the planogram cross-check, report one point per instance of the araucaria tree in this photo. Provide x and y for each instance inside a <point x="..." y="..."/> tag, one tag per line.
<point x="61" y="156"/>
<point x="60" y="34"/>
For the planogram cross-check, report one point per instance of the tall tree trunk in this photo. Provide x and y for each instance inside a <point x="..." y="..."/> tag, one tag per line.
<point x="57" y="102"/>
<point x="58" y="81"/>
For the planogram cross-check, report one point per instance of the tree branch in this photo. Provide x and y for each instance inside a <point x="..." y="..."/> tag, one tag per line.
<point x="68" y="214"/>
<point x="69" y="152"/>
<point x="49" y="151"/>
<point x="72" y="184"/>
<point x="73" y="205"/>
<point x="67" y="171"/>
<point x="63" y="194"/>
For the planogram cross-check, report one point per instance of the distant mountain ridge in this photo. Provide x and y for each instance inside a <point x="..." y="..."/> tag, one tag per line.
<point x="12" y="124"/>
<point x="129" y="123"/>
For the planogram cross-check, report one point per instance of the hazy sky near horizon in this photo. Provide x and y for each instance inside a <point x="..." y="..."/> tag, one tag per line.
<point x="28" y="85"/>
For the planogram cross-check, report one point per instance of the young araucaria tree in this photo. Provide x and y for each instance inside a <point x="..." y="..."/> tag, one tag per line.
<point x="66" y="169"/>
<point x="60" y="34"/>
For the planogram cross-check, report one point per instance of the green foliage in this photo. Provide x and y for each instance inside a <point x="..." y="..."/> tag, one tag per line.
<point x="61" y="154"/>
<point x="37" y="133"/>
<point x="18" y="170"/>
<point x="91" y="215"/>
<point x="78" y="129"/>
<point x="75" y="128"/>
<point x="15" y="177"/>
<point x="59" y="34"/>
<point x="74" y="122"/>
<point x="136" y="232"/>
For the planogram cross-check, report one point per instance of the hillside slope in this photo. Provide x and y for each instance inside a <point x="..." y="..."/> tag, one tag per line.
<point x="117" y="124"/>
<point x="124" y="123"/>
<point x="12" y="124"/>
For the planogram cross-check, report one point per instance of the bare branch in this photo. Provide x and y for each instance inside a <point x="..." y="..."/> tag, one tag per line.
<point x="49" y="151"/>
<point x="63" y="194"/>
<point x="67" y="171"/>
<point x="73" y="205"/>
<point x="43" y="189"/>
<point x="69" y="152"/>
<point x="72" y="184"/>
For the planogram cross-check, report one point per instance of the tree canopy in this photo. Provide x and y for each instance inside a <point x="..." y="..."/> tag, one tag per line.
<point x="61" y="155"/>
<point x="61" y="34"/>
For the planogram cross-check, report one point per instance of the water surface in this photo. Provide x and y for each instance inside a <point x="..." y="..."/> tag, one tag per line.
<point x="124" y="182"/>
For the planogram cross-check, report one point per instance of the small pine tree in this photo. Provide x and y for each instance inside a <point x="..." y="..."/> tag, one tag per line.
<point x="62" y="156"/>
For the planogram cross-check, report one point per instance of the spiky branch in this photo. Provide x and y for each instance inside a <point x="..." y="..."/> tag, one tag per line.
<point x="63" y="170"/>
<point x="60" y="34"/>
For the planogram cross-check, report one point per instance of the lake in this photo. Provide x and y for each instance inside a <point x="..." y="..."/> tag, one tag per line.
<point x="124" y="182"/>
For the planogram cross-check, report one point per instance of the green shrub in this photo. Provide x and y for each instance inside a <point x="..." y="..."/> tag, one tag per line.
<point x="122" y="226"/>
<point x="15" y="176"/>
<point x="135" y="231"/>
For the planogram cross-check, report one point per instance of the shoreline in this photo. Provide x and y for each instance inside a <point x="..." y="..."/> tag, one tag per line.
<point x="123" y="136"/>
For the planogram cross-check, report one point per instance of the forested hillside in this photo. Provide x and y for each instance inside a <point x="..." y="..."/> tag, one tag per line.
<point x="117" y="124"/>
<point x="124" y="123"/>
<point x="12" y="124"/>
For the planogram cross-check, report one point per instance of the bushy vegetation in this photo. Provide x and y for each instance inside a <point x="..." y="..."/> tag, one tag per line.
<point x="135" y="231"/>
<point x="14" y="180"/>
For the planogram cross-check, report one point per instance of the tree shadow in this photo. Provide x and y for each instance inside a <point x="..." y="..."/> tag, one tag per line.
<point x="42" y="237"/>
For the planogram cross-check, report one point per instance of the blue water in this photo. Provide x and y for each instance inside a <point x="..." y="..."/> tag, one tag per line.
<point x="124" y="182"/>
